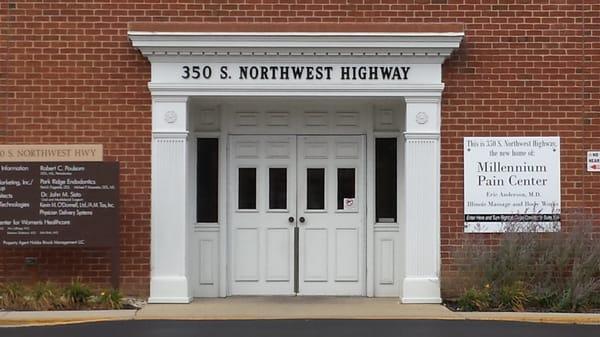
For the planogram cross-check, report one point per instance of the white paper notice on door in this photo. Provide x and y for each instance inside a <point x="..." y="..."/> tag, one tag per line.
<point x="350" y="204"/>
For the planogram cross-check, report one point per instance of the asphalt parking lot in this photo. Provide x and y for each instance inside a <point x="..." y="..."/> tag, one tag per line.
<point x="312" y="328"/>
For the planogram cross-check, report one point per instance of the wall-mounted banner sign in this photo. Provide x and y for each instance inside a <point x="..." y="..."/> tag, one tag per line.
<point x="50" y="152"/>
<point x="593" y="161"/>
<point x="283" y="73"/>
<point x="59" y="204"/>
<point x="511" y="184"/>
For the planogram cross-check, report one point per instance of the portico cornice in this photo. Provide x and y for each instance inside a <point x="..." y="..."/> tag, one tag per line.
<point x="434" y="43"/>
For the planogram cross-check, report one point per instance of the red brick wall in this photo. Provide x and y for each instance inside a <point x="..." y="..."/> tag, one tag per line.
<point x="69" y="74"/>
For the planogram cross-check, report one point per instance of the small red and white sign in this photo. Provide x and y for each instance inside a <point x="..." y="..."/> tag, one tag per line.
<point x="350" y="205"/>
<point x="593" y="161"/>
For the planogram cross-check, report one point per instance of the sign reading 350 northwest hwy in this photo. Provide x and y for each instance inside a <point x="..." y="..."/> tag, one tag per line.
<point x="59" y="204"/>
<point x="511" y="183"/>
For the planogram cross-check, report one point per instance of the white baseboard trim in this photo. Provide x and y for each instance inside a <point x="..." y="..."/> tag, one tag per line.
<point x="421" y="290"/>
<point x="169" y="289"/>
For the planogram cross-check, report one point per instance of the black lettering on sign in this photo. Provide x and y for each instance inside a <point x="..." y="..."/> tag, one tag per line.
<point x="405" y="72"/>
<point x="186" y="72"/>
<point x="207" y="72"/>
<point x="373" y="73"/>
<point x="300" y="72"/>
<point x="297" y="72"/>
<point x="224" y="74"/>
<point x="196" y="72"/>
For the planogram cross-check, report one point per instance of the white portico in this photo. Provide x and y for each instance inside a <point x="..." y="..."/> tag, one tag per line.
<point x="299" y="127"/>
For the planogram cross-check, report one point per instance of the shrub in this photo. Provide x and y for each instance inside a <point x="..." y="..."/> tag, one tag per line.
<point x="77" y="294"/>
<point x="110" y="299"/>
<point x="551" y="271"/>
<point x="474" y="300"/>
<point x="513" y="297"/>
<point x="45" y="296"/>
<point x="13" y="296"/>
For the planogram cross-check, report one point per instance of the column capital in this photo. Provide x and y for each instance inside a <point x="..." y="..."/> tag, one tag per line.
<point x="423" y="115"/>
<point x="169" y="114"/>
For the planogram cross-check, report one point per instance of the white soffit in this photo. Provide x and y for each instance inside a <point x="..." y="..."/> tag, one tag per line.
<point x="294" y="44"/>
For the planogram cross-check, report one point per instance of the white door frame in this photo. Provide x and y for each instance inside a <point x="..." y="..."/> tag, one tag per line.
<point x="172" y="201"/>
<point x="295" y="208"/>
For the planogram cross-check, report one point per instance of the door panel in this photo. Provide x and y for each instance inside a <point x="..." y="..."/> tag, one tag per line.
<point x="346" y="255"/>
<point x="332" y="236"/>
<point x="314" y="249"/>
<point x="246" y="245"/>
<point x="262" y="252"/>
<point x="277" y="255"/>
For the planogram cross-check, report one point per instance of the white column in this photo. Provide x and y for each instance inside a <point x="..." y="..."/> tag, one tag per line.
<point x="422" y="200"/>
<point x="169" y="277"/>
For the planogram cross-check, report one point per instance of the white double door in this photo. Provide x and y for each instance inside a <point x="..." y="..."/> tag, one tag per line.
<point x="297" y="215"/>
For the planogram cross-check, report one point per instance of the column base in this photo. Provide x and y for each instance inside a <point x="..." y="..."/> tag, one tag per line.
<point x="169" y="289"/>
<point x="421" y="290"/>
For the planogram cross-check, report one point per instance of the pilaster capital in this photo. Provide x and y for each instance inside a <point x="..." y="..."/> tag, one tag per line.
<point x="169" y="114"/>
<point x="423" y="114"/>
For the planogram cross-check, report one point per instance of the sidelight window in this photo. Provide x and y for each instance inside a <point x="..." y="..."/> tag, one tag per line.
<point x="207" y="180"/>
<point x="386" y="179"/>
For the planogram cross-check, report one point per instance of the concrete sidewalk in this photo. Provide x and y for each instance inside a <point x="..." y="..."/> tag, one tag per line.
<point x="262" y="308"/>
<point x="295" y="308"/>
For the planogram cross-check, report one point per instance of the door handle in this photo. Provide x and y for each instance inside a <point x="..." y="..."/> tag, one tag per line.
<point x="302" y="220"/>
<point x="291" y="219"/>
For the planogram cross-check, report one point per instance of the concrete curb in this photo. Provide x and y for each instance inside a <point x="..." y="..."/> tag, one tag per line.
<point x="534" y="317"/>
<point x="587" y="319"/>
<point x="42" y="318"/>
<point x="50" y="318"/>
<point x="291" y="317"/>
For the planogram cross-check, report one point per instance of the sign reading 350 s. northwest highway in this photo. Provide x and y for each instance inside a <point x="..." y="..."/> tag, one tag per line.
<point x="511" y="183"/>
<point x="59" y="204"/>
<point x="290" y="74"/>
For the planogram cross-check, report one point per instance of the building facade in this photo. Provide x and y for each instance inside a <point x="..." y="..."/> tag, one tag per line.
<point x="310" y="147"/>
